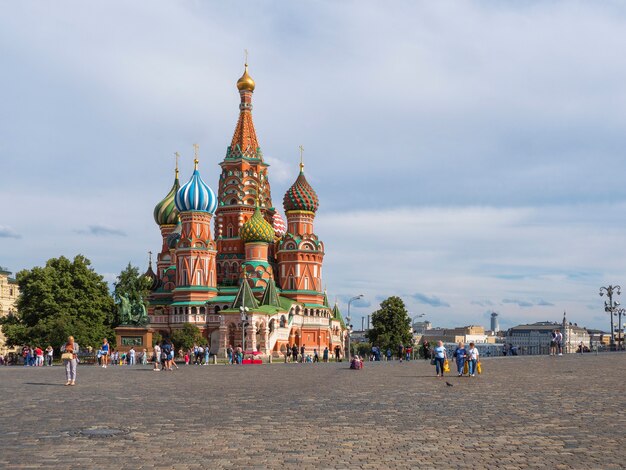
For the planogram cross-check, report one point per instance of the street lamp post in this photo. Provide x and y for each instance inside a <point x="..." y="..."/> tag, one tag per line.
<point x="244" y="320"/>
<point x="349" y="320"/>
<point x="611" y="305"/>
<point x="620" y="327"/>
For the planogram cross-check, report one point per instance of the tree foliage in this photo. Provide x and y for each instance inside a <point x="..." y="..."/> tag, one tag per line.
<point x="391" y="325"/>
<point x="187" y="336"/>
<point x="134" y="285"/>
<point x="60" y="299"/>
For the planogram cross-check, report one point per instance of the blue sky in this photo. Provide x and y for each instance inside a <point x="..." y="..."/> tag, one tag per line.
<point x="468" y="155"/>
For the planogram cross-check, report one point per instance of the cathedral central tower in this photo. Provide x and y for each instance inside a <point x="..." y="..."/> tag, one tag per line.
<point x="243" y="182"/>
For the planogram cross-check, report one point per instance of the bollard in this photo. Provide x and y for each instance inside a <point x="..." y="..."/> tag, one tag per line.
<point x="214" y="359"/>
<point x="270" y="359"/>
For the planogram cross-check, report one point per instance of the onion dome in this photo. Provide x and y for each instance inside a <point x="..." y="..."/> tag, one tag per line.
<point x="257" y="229"/>
<point x="280" y="227"/>
<point x="245" y="82"/>
<point x="152" y="281"/>
<point x="301" y="196"/>
<point x="172" y="238"/>
<point x="165" y="212"/>
<point x="196" y="195"/>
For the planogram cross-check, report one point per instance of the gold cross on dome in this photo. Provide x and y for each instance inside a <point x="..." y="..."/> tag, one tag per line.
<point x="245" y="51"/>
<point x="196" y="147"/>
<point x="150" y="257"/>
<point x="177" y="156"/>
<point x="301" y="157"/>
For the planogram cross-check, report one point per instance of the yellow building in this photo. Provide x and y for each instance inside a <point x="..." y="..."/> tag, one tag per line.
<point x="8" y="299"/>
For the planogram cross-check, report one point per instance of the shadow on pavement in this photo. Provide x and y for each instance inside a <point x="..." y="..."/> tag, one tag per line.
<point x="42" y="383"/>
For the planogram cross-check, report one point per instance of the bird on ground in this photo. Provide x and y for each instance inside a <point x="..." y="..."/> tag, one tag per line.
<point x="449" y="384"/>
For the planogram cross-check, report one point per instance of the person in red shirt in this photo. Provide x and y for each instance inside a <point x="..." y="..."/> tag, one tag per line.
<point x="39" y="356"/>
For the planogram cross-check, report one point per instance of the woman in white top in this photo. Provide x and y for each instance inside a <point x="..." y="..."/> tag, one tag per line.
<point x="472" y="356"/>
<point x="440" y="357"/>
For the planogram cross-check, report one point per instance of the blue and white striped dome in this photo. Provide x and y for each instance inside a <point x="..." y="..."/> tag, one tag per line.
<point x="196" y="195"/>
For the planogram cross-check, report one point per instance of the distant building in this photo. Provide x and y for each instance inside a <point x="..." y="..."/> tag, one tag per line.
<point x="467" y="334"/>
<point x="420" y="326"/>
<point x="495" y="326"/>
<point x="9" y="292"/>
<point x="359" y="336"/>
<point x="535" y="338"/>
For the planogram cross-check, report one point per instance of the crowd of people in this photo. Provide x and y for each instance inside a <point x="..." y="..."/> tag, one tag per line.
<point x="34" y="356"/>
<point x="467" y="360"/>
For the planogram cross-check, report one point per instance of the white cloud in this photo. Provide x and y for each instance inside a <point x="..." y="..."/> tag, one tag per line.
<point x="470" y="152"/>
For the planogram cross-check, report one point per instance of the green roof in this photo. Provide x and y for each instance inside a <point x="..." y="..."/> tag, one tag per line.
<point x="337" y="315"/>
<point x="192" y="288"/>
<point x="245" y="297"/>
<point x="222" y="298"/>
<point x="270" y="296"/>
<point x="315" y="305"/>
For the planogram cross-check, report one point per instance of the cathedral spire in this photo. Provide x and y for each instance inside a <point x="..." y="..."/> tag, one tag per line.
<point x="245" y="143"/>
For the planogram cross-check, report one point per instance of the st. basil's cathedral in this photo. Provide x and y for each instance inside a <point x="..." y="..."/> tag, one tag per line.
<point x="221" y="253"/>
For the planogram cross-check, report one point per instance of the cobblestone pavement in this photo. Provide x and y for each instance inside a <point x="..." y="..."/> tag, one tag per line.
<point x="526" y="412"/>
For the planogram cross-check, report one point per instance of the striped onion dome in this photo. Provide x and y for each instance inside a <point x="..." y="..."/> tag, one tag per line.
<point x="165" y="212"/>
<point x="301" y="196"/>
<point x="257" y="229"/>
<point x="280" y="227"/>
<point x="196" y="195"/>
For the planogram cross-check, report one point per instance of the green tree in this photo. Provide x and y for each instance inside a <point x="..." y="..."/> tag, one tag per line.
<point x="391" y="325"/>
<point x="133" y="285"/>
<point x="60" y="299"/>
<point x="187" y="336"/>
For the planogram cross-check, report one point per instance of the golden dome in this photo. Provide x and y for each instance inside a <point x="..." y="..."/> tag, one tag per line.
<point x="245" y="82"/>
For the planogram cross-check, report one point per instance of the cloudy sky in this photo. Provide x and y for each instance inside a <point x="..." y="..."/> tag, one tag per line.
<point x="469" y="156"/>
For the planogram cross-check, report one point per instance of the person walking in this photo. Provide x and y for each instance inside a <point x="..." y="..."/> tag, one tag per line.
<point x="460" y="353"/>
<point x="105" y="351"/>
<point x="559" y="342"/>
<point x="156" y="357"/>
<point x="70" y="360"/>
<point x="325" y="354"/>
<point x="388" y="354"/>
<point x="302" y="354"/>
<point x="132" y="355"/>
<point x="440" y="357"/>
<point x="229" y="354"/>
<point x="38" y="357"/>
<point x="316" y="356"/>
<point x="207" y="355"/>
<point x="167" y="354"/>
<point x="473" y="356"/>
<point x="294" y="353"/>
<point x="49" y="355"/>
<point x="400" y="351"/>
<point x="553" y="343"/>
<point x="337" y="353"/>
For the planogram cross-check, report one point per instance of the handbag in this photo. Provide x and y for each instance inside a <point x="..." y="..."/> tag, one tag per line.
<point x="466" y="368"/>
<point x="433" y="362"/>
<point x="479" y="369"/>
<point x="67" y="356"/>
<point x="446" y="366"/>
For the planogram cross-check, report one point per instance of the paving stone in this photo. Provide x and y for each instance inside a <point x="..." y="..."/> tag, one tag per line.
<point x="525" y="412"/>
